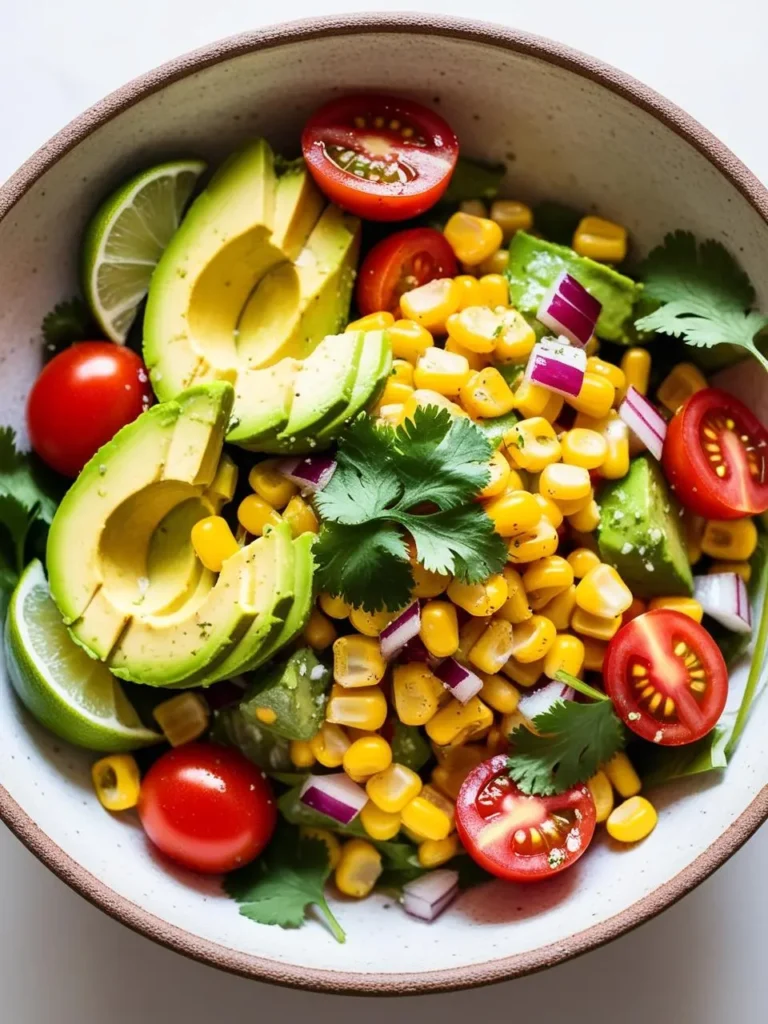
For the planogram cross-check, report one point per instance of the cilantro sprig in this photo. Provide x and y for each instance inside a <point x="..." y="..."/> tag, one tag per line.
<point x="706" y="298"/>
<point x="419" y="479"/>
<point x="68" y="322"/>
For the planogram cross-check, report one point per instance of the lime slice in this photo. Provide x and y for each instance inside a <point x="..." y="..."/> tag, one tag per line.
<point x="67" y="691"/>
<point x="126" y="238"/>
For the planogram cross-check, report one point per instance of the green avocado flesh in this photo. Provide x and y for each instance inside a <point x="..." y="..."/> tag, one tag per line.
<point x="641" y="532"/>
<point x="534" y="264"/>
<point x="295" y="691"/>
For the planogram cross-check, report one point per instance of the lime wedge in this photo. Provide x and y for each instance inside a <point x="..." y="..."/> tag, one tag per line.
<point x="126" y="238"/>
<point x="67" y="691"/>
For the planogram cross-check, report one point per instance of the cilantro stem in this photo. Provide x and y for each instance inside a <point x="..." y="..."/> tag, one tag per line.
<point x="336" y="930"/>
<point x="580" y="686"/>
<point x="753" y="679"/>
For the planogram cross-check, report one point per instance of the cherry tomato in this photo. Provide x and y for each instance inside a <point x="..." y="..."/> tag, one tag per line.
<point x="81" y="399"/>
<point x="380" y="157"/>
<point x="207" y="807"/>
<point x="400" y="262"/>
<point x="715" y="457"/>
<point x="517" y="837"/>
<point x="666" y="677"/>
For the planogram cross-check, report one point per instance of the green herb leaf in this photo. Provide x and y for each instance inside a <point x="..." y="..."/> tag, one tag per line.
<point x="68" y="322"/>
<point x="409" y="746"/>
<point x="367" y="564"/>
<point x="570" y="743"/>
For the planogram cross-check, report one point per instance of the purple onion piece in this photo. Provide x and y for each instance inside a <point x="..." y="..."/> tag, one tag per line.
<point x="645" y="421"/>
<point x="575" y="293"/>
<point x="311" y="473"/>
<point x="538" y="701"/>
<point x="557" y="366"/>
<point x="402" y="629"/>
<point x="415" y="650"/>
<point x="427" y="897"/>
<point x="568" y="308"/>
<point x="723" y="596"/>
<point x="336" y="796"/>
<point x="463" y="684"/>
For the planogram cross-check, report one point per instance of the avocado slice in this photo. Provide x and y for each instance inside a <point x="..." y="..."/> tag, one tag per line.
<point x="640" y="532"/>
<point x="268" y="395"/>
<point x="323" y="385"/>
<point x="534" y="264"/>
<point x="296" y="690"/>
<point x="303" y="597"/>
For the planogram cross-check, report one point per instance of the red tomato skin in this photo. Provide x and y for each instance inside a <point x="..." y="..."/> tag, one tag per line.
<point x="517" y="868"/>
<point x="81" y="399"/>
<point x="207" y="807"/>
<point x="381" y="269"/>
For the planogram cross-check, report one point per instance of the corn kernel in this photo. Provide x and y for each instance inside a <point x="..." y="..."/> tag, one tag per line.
<point x="475" y="328"/>
<point x="329" y="840"/>
<point x="533" y="639"/>
<point x="300" y="752"/>
<point x="479" y="598"/>
<point x="380" y="825"/>
<point x="255" y="515"/>
<point x="632" y="821"/>
<point x="458" y="723"/>
<point x="393" y="788"/>
<point x="371" y="623"/>
<point x="636" y="364"/>
<point x="213" y="542"/>
<point x="600" y="239"/>
<point x="390" y="415"/>
<point x="524" y="673"/>
<point x="493" y="647"/>
<point x="362" y="708"/>
<point x="416" y="693"/>
<point x="582" y="561"/>
<point x="602" y="794"/>
<point x="545" y="578"/>
<point x="472" y="239"/>
<point x="357" y="661"/>
<point x="549" y="510"/>
<point x="734" y="541"/>
<point x="686" y="605"/>
<point x="560" y="482"/>
<point x="616" y="462"/>
<point x="329" y="744"/>
<point x="358" y="869"/>
<point x="513" y="512"/>
<point x="367" y="756"/>
<point x="494" y="290"/>
<point x="587" y="519"/>
<point x="496" y="263"/>
<point x="319" y="631"/>
<point x="603" y="593"/>
<point x="514" y="721"/>
<point x="270" y="484"/>
<point x="439" y="628"/>
<point x="532" y="444"/>
<point x="379" y="321"/>
<point x="116" y="781"/>
<point x="678" y="386"/>
<point x="470" y="633"/>
<point x="402" y="371"/>
<point x="539" y="542"/>
<point x="515" y="608"/>
<point x="334" y="607"/>
<point x="594" y="654"/>
<point x="425" y="819"/>
<point x="560" y="609"/>
<point x="498" y="694"/>
<point x="603" y="369"/>
<point x="743" y="569"/>
<point x="595" y="626"/>
<point x="476" y="207"/>
<point x="266" y="715"/>
<point x="565" y="655"/>
<point x="409" y="340"/>
<point x="500" y="475"/>
<point x="395" y="392"/>
<point x="584" y="448"/>
<point x="511" y="216"/>
<point x="570" y="506"/>
<point x="431" y="304"/>
<point x="470" y="292"/>
<point x="622" y="774"/>
<point x="434" y="796"/>
<point x="486" y="394"/>
<point x="433" y="853"/>
<point x="427" y="583"/>
<point x="185" y="717"/>
<point x="596" y="396"/>
<point x="513" y="345"/>
<point x="475" y="360"/>
<point x="450" y="773"/>
<point x="441" y="371"/>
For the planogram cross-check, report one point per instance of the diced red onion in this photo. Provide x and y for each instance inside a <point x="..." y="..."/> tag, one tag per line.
<point x="568" y="308"/>
<point x="400" y="630"/>
<point x="538" y="701"/>
<point x="336" y="796"/>
<point x="427" y="897"/>
<point x="558" y="366"/>
<point x="723" y="595"/>
<point x="463" y="684"/>
<point x="415" y="650"/>
<point x="312" y="473"/>
<point x="645" y="421"/>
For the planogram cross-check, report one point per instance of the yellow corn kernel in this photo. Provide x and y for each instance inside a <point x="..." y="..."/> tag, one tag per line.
<point x="539" y="542"/>
<point x="358" y="869"/>
<point x="678" y="386"/>
<point x="584" y="448"/>
<point x="592" y="348"/>
<point x="586" y="624"/>
<point x="493" y="647"/>
<point x="475" y="360"/>
<point x="498" y="694"/>
<point x="431" y="304"/>
<point x="380" y="825"/>
<point x="433" y="853"/>
<point x="213" y="542"/>
<point x="532" y="444"/>
<point x="600" y="239"/>
<point x="367" y="756"/>
<point x="486" y="394"/>
<point x="329" y="745"/>
<point x="594" y="654"/>
<point x="602" y="592"/>
<point x="587" y="519"/>
<point x="454" y="765"/>
<point x="687" y="605"/>
<point x="266" y="715"/>
<point x="116" y="781"/>
<point x="390" y="415"/>
<point x="622" y="774"/>
<point x="334" y="607"/>
<point x="434" y="796"/>
<point x="494" y="290"/>
<point x="743" y="569"/>
<point x="545" y="578"/>
<point x="370" y="623"/>
<point x="603" y="369"/>
<point x="475" y="328"/>
<point x="426" y="820"/>
<point x="531" y="400"/>
<point x="458" y="723"/>
<point x="416" y="693"/>
<point x="472" y="239"/>
<point x="402" y="371"/>
<point x="513" y="345"/>
<point x="373" y="322"/>
<point x="561" y="483"/>
<point x="270" y="484"/>
<point x="565" y="655"/>
<point x="602" y="794"/>
<point x="395" y="393"/>
<point x="474" y="206"/>
<point x="185" y="717"/>
<point x="533" y="639"/>
<point x="616" y="462"/>
<point x="515" y="608"/>
<point x="301" y="517"/>
<point x="471" y="294"/>
<point x="596" y="396"/>
<point x="636" y="364"/>
<point x="470" y="633"/>
<point x="319" y="631"/>
<point x="582" y="561"/>
<point x="513" y="512"/>
<point x="479" y="598"/>
<point x="409" y="340"/>
<point x="549" y="510"/>
<point x="560" y="608"/>
<point x="734" y="541"/>
<point x="393" y="788"/>
<point x="524" y="673"/>
<point x="301" y="755"/>
<point x="693" y="531"/>
<point x="569" y="507"/>
<point x="441" y="371"/>
<point x="255" y="515"/>
<point x="361" y="708"/>
<point x="439" y="628"/>
<point x="427" y="583"/>
<point x="495" y="264"/>
<point x="632" y="821"/>
<point x="500" y="475"/>
<point x="357" y="661"/>
<point x="511" y="216"/>
<point x="325" y="836"/>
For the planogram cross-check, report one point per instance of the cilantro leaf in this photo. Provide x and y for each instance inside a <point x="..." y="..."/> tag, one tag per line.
<point x="705" y="296"/>
<point x="367" y="563"/>
<point x="365" y="482"/>
<point x="570" y="743"/>
<point x="458" y="542"/>
<point x="68" y="322"/>
<point x="278" y="888"/>
<point x="22" y="477"/>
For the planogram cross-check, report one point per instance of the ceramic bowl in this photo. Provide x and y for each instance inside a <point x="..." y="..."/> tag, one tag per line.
<point x="568" y="127"/>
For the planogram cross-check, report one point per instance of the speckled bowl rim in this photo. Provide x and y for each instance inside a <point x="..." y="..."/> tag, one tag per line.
<point x="221" y="956"/>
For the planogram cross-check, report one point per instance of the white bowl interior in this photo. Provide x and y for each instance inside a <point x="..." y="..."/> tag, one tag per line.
<point x="562" y="136"/>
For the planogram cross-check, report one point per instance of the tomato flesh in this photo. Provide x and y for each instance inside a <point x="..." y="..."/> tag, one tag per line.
<point x="517" y="837"/>
<point x="666" y="677"/>
<point x="380" y="157"/>
<point x="715" y="456"/>
<point x="399" y="263"/>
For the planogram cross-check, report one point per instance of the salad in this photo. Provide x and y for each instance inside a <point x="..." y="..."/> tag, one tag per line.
<point x="380" y="533"/>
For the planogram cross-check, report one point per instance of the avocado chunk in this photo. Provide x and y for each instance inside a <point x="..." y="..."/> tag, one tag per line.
<point x="295" y="691"/>
<point x="534" y="264"/>
<point x="640" y="532"/>
<point x="303" y="596"/>
<point x="323" y="385"/>
<point x="231" y="728"/>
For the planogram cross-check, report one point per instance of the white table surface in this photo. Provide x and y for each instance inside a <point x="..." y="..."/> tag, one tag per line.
<point x="63" y="961"/>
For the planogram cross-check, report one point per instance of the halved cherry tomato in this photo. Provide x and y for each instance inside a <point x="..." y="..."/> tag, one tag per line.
<point x="715" y="457"/>
<point x="517" y="837"/>
<point x="399" y="263"/>
<point x="380" y="157"/>
<point x="666" y="677"/>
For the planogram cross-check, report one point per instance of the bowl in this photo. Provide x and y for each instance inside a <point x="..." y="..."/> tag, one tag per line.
<point x="568" y="127"/>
